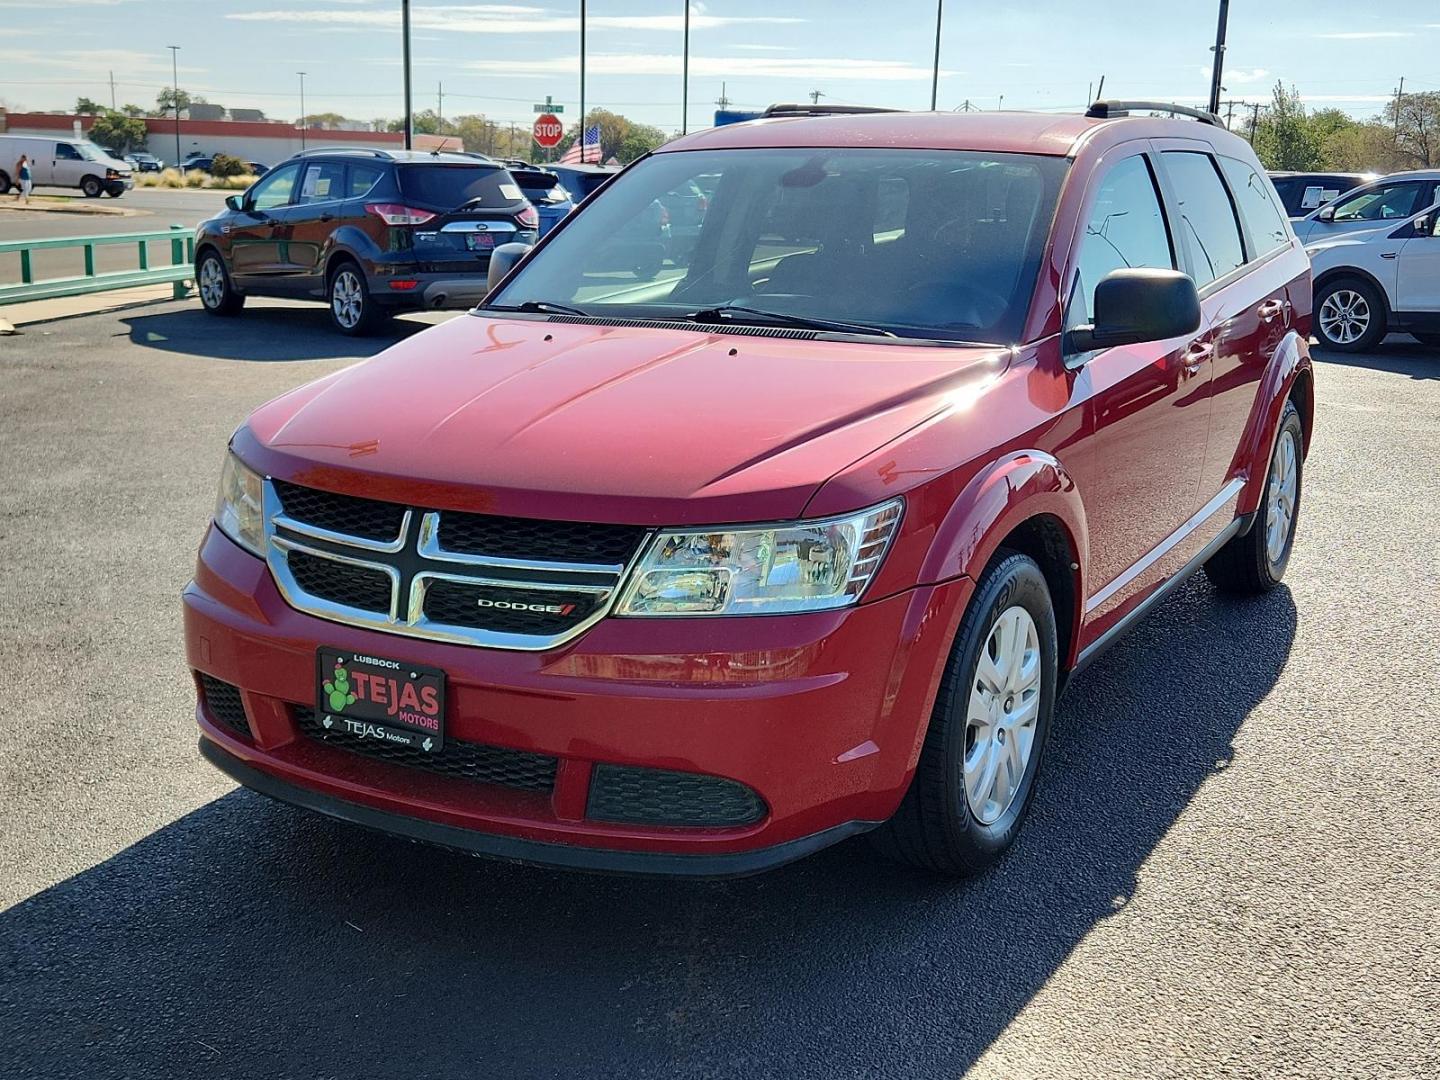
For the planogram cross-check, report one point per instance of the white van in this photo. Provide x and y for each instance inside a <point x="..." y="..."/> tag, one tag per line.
<point x="72" y="163"/>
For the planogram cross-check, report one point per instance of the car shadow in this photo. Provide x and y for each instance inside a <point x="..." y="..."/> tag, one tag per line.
<point x="262" y="333"/>
<point x="252" y="939"/>
<point x="1399" y="353"/>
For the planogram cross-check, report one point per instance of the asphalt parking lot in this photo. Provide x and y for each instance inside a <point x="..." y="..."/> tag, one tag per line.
<point x="1231" y="869"/>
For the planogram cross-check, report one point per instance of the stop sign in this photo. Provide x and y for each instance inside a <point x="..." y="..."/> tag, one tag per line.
<point x="549" y="130"/>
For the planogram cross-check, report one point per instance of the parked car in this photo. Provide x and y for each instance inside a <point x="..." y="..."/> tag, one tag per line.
<point x="1392" y="199"/>
<point x="1302" y="192"/>
<point x="1369" y="282"/>
<point x="67" y="163"/>
<point x="140" y="162"/>
<point x="545" y="192"/>
<point x="685" y="214"/>
<point x="583" y="180"/>
<point x="256" y="169"/>
<point x="371" y="232"/>
<point x="702" y="575"/>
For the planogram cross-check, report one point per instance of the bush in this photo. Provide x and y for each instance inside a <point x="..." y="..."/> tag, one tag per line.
<point x="168" y="178"/>
<point x="225" y="165"/>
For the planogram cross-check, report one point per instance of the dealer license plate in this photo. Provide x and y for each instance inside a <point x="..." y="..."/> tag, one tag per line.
<point x="374" y="698"/>
<point x="479" y="241"/>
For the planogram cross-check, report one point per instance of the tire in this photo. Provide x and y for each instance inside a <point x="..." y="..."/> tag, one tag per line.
<point x="91" y="187"/>
<point x="5" y="182"/>
<point x="948" y="822"/>
<point x="212" y="282"/>
<point x="1433" y="340"/>
<point x="352" y="310"/>
<point x="1255" y="562"/>
<point x="1350" y="315"/>
<point x="115" y="192"/>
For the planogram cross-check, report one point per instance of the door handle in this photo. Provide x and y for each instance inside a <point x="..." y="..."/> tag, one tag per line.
<point x="1270" y="310"/>
<point x="1195" y="355"/>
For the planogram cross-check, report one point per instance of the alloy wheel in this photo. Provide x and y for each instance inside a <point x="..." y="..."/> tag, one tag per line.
<point x="1280" y="504"/>
<point x="1003" y="710"/>
<point x="212" y="283"/>
<point x="347" y="299"/>
<point x="1345" y="316"/>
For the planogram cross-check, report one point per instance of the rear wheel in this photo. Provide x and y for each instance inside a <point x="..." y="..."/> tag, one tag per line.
<point x="1255" y="563"/>
<point x="92" y="187"/>
<point x="217" y="295"/>
<point x="1350" y="315"/>
<point x="5" y="182"/>
<point x="352" y="309"/>
<point x="976" y="775"/>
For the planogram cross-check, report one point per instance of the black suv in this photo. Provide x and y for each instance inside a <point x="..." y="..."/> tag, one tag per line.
<point x="372" y="232"/>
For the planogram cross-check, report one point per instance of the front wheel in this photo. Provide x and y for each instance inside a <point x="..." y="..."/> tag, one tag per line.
<point x="1255" y="562"/>
<point x="976" y="775"/>
<point x="217" y="295"/>
<point x="91" y="187"/>
<point x="1350" y="315"/>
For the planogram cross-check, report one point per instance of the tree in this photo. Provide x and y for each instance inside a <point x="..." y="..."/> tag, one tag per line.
<point x="324" y="119"/>
<point x="225" y="165"/>
<point x="1415" y="119"/>
<point x="1284" y="138"/>
<point x="166" y="99"/>
<point x="620" y="137"/>
<point x="132" y="110"/>
<point x="118" y="131"/>
<point x="86" y="107"/>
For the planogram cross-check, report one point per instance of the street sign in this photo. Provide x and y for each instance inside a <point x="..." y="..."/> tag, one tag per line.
<point x="549" y="131"/>
<point x="549" y="106"/>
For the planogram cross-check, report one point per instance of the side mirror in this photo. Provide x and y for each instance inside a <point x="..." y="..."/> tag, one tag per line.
<point x="233" y="202"/>
<point x="1138" y="305"/>
<point x="504" y="259"/>
<point x="1424" y="225"/>
<point x="1327" y="213"/>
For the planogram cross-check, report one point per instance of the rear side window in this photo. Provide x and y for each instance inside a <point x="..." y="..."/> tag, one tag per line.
<point x="362" y="179"/>
<point x="1207" y="217"/>
<point x="1126" y="228"/>
<point x="448" y="187"/>
<point x="1256" y="202"/>
<point x="324" y="181"/>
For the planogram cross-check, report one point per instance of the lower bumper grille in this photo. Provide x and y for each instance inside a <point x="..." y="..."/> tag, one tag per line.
<point x="468" y="761"/>
<point x="630" y="795"/>
<point x="222" y="702"/>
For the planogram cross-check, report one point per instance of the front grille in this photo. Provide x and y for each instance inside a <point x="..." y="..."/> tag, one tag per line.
<point x="342" y="583"/>
<point x="367" y="518"/>
<point x="468" y="761"/>
<point x="518" y="583"/>
<point x="222" y="702"/>
<point x="546" y="541"/>
<point x="632" y="795"/>
<point x="457" y="603"/>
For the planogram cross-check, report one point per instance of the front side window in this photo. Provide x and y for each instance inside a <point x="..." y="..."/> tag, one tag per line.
<point x="66" y="152"/>
<point x="1126" y="228"/>
<point x="275" y="188"/>
<point x="1383" y="202"/>
<point x="1207" y="217"/>
<point x="918" y="243"/>
<point x="1256" y="203"/>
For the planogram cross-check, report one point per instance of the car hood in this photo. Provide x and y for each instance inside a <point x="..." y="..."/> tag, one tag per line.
<point x="607" y="423"/>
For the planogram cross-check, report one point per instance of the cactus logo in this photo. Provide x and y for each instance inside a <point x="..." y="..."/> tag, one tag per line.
<point x="337" y="691"/>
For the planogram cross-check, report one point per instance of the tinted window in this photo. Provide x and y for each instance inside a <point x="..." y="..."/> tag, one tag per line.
<point x="275" y="189"/>
<point x="66" y="152"/>
<point x="1256" y="202"/>
<point x="362" y="179"/>
<point x="324" y="181"/>
<point x="1383" y="202"/>
<point x="922" y="243"/>
<point x="447" y="187"/>
<point x="1126" y="228"/>
<point x="1206" y="216"/>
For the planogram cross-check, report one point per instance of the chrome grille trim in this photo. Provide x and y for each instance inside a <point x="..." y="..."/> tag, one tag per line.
<point x="429" y="562"/>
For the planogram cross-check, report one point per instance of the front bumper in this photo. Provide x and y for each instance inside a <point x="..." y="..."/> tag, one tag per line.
<point x="822" y="715"/>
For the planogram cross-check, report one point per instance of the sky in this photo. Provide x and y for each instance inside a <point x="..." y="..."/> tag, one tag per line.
<point x="500" y="58"/>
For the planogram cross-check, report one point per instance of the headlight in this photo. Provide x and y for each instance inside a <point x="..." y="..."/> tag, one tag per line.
<point x="797" y="566"/>
<point x="239" y="512"/>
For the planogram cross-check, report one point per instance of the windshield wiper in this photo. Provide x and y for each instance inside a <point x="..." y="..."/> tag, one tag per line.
<point x="728" y="313"/>
<point x="543" y="307"/>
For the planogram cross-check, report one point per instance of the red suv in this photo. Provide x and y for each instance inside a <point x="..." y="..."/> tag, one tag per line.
<point x="799" y="539"/>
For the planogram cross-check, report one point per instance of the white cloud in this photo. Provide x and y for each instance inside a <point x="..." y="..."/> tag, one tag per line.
<point x="1365" y="35"/>
<point x="780" y="67"/>
<point x="500" y="19"/>
<point x="765" y="48"/>
<point x="90" y="61"/>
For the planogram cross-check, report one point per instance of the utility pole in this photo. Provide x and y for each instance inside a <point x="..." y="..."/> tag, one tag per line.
<point x="1254" y="119"/>
<point x="722" y="102"/>
<point x="935" y="75"/>
<point x="582" y="80"/>
<point x="405" y="46"/>
<point x="685" y="77"/>
<point x="510" y="149"/>
<point x="1219" y="56"/>
<point x="175" y="89"/>
<point x="112" y="91"/>
<point x="1001" y="106"/>
<point x="440" y="108"/>
<point x="815" y="96"/>
<point x="1230" y="111"/>
<point x="1399" y="97"/>
<point x="302" y="110"/>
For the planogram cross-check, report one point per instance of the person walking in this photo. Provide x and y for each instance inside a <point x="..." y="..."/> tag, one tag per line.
<point x="22" y="173"/>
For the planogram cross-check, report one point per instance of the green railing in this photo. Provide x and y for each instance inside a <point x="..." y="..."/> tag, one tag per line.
<point x="178" y="271"/>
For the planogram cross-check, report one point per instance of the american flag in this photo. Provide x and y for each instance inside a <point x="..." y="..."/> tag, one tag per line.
<point x="585" y="149"/>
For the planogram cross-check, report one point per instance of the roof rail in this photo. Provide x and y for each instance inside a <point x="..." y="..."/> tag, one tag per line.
<point x="385" y="154"/>
<point x="1108" y="110"/>
<point x="823" y="110"/>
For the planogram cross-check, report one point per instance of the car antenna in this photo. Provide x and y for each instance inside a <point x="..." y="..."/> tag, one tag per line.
<point x="436" y="151"/>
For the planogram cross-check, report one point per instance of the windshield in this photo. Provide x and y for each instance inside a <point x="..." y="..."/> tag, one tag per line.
<point x="918" y="243"/>
<point x="446" y="187"/>
<point x="90" y="152"/>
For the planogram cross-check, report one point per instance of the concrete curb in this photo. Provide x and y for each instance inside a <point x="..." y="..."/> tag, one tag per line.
<point x="33" y="312"/>
<point x="16" y="207"/>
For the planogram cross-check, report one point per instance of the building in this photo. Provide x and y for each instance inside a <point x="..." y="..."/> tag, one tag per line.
<point x="265" y="141"/>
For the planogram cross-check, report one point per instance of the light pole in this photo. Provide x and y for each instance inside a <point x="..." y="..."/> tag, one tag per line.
<point x="582" y="80"/>
<point x="935" y="78"/>
<point x="685" y="77"/>
<point x="302" y="110"/>
<point x="1219" y="56"/>
<point x="175" y="89"/>
<point x="405" y="40"/>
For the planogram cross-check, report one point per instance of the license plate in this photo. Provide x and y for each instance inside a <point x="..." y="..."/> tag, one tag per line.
<point x="371" y="697"/>
<point x="479" y="241"/>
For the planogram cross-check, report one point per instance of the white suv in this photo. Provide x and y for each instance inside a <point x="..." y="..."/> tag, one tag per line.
<point x="1375" y="256"/>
